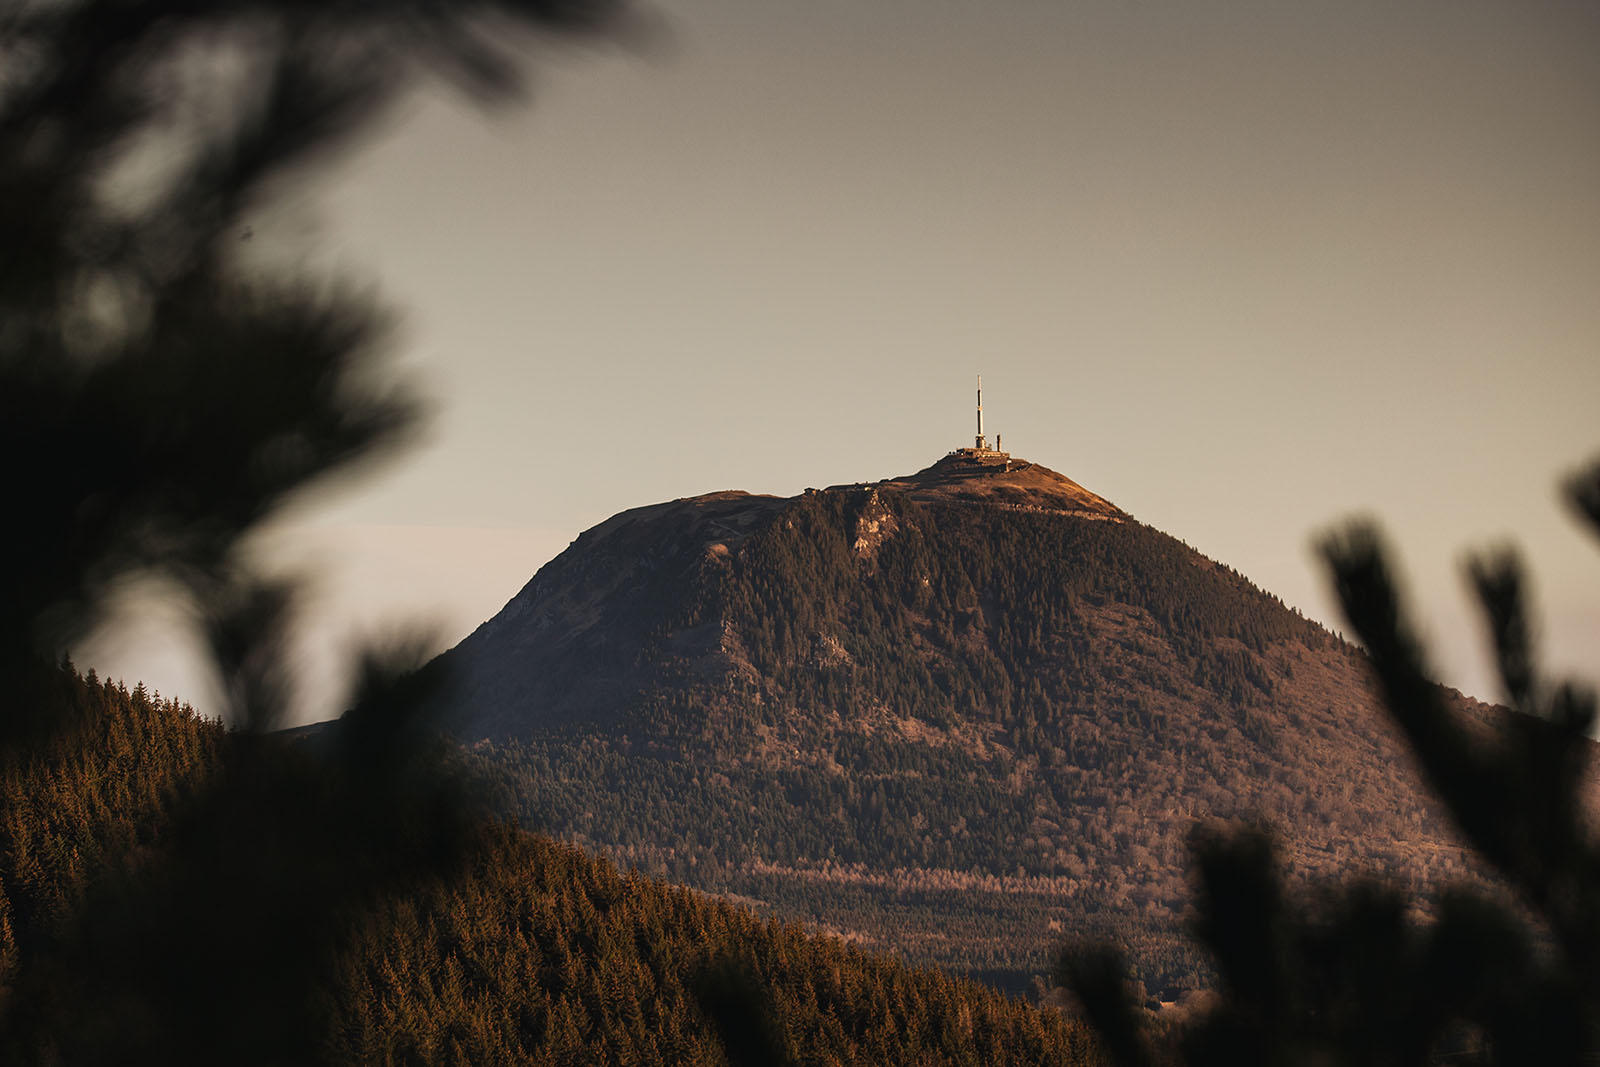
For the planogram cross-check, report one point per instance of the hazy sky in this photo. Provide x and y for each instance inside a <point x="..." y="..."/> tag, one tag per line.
<point x="1242" y="268"/>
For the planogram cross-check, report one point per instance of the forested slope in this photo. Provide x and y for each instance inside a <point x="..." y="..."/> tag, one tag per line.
<point x="510" y="949"/>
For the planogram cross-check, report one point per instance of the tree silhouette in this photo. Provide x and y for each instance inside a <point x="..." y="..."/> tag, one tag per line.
<point x="1352" y="979"/>
<point x="163" y="390"/>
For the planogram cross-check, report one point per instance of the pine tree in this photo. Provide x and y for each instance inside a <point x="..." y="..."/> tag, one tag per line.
<point x="161" y="395"/>
<point x="1359" y="980"/>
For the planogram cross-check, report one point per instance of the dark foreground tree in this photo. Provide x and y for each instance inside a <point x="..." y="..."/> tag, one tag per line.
<point x="165" y="386"/>
<point x="1355" y="978"/>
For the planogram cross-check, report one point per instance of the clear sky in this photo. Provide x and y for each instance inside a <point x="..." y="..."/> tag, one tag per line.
<point x="1244" y="268"/>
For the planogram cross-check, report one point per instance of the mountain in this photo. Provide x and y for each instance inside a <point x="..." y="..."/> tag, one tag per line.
<point x="963" y="715"/>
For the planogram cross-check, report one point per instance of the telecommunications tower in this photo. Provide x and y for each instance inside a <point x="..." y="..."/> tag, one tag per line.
<point x="982" y="444"/>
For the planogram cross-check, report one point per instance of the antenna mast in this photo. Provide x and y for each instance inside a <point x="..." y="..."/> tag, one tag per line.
<point x="981" y="443"/>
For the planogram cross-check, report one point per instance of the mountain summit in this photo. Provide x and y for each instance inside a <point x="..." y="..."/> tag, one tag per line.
<point x="972" y="476"/>
<point x="962" y="714"/>
<point x="986" y="475"/>
<point x="575" y="638"/>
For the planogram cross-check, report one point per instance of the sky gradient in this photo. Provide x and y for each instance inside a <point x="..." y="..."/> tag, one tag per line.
<point x="1242" y="268"/>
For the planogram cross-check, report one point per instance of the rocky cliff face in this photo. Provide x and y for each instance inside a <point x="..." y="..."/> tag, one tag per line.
<point x="963" y="714"/>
